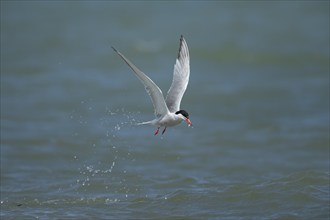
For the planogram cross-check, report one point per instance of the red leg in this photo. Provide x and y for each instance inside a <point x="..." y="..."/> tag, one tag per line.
<point x="156" y="132"/>
<point x="164" y="130"/>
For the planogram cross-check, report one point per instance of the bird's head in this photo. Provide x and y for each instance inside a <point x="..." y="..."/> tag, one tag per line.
<point x="184" y="115"/>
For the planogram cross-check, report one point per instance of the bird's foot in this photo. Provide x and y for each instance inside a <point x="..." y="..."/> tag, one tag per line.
<point x="164" y="130"/>
<point x="156" y="132"/>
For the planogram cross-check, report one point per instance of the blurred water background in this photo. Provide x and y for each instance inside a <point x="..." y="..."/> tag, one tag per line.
<point x="258" y="98"/>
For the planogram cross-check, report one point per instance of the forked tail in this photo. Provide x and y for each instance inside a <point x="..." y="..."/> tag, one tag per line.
<point x="145" y="123"/>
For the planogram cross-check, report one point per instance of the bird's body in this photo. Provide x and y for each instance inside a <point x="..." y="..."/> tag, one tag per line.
<point x="168" y="120"/>
<point x="167" y="111"/>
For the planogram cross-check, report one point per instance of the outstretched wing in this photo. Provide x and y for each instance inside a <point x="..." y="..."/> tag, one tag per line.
<point x="180" y="78"/>
<point x="153" y="90"/>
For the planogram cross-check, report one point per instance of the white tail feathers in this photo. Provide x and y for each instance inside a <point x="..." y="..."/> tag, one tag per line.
<point x="145" y="123"/>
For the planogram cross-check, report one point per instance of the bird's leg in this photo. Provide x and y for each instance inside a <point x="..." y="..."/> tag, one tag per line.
<point x="164" y="130"/>
<point x="156" y="132"/>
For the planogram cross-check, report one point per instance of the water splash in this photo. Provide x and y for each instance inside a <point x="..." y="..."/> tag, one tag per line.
<point x="104" y="150"/>
<point x="89" y="171"/>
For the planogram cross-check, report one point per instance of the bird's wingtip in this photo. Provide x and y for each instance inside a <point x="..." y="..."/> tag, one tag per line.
<point x="114" y="49"/>
<point x="182" y="42"/>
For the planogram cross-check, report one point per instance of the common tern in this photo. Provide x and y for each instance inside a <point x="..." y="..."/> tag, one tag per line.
<point x="167" y="111"/>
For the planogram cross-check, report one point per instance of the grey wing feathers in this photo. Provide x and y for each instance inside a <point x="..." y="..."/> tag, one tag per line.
<point x="153" y="90"/>
<point x="180" y="78"/>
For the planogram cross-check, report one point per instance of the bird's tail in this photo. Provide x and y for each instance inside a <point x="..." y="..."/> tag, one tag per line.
<point x="145" y="123"/>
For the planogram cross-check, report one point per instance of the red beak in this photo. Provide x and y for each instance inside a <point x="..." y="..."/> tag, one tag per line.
<point x="188" y="122"/>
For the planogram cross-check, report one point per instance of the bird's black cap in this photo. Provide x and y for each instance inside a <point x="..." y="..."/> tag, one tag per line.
<point x="183" y="112"/>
